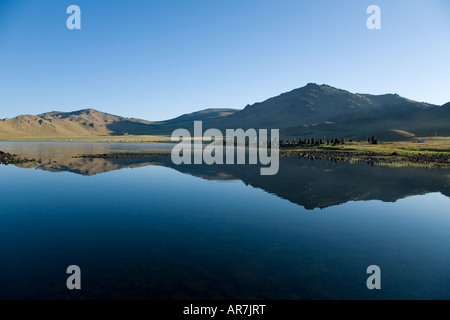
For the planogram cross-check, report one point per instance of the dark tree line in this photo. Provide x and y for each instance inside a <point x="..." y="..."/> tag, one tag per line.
<point x="372" y="140"/>
<point x="311" y="142"/>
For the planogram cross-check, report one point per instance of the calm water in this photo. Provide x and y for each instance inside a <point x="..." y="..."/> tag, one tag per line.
<point x="144" y="228"/>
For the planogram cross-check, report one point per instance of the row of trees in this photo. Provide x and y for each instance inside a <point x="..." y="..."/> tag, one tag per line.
<point x="372" y="140"/>
<point x="311" y="142"/>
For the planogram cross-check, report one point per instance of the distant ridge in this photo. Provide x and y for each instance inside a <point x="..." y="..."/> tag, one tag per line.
<point x="311" y="111"/>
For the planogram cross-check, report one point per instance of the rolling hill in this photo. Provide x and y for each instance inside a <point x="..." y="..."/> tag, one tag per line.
<point x="311" y="111"/>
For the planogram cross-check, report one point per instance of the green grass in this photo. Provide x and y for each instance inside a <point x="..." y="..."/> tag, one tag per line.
<point x="441" y="146"/>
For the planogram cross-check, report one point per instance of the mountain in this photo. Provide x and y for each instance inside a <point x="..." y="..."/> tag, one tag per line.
<point x="90" y="122"/>
<point x="311" y="111"/>
<point x="318" y="110"/>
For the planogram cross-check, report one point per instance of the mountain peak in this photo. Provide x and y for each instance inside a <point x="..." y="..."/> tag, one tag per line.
<point x="86" y="111"/>
<point x="63" y="113"/>
<point x="316" y="85"/>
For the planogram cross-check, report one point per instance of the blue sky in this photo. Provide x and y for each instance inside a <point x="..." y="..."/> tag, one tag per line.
<point x="159" y="59"/>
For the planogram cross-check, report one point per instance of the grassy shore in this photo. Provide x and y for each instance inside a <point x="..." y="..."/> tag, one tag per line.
<point x="435" y="151"/>
<point x="431" y="145"/>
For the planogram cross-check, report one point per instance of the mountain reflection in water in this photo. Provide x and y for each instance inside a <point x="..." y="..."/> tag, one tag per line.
<point x="311" y="184"/>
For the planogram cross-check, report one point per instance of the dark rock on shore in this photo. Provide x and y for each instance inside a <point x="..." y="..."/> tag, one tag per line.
<point x="8" y="158"/>
<point x="437" y="160"/>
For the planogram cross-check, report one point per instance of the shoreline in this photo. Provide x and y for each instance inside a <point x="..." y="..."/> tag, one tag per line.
<point x="373" y="158"/>
<point x="434" y="153"/>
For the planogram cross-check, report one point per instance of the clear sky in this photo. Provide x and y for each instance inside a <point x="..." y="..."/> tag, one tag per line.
<point x="157" y="59"/>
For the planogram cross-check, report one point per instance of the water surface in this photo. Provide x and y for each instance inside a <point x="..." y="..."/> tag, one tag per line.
<point x="144" y="228"/>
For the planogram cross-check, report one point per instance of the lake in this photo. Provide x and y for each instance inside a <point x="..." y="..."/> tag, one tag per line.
<point x="144" y="228"/>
